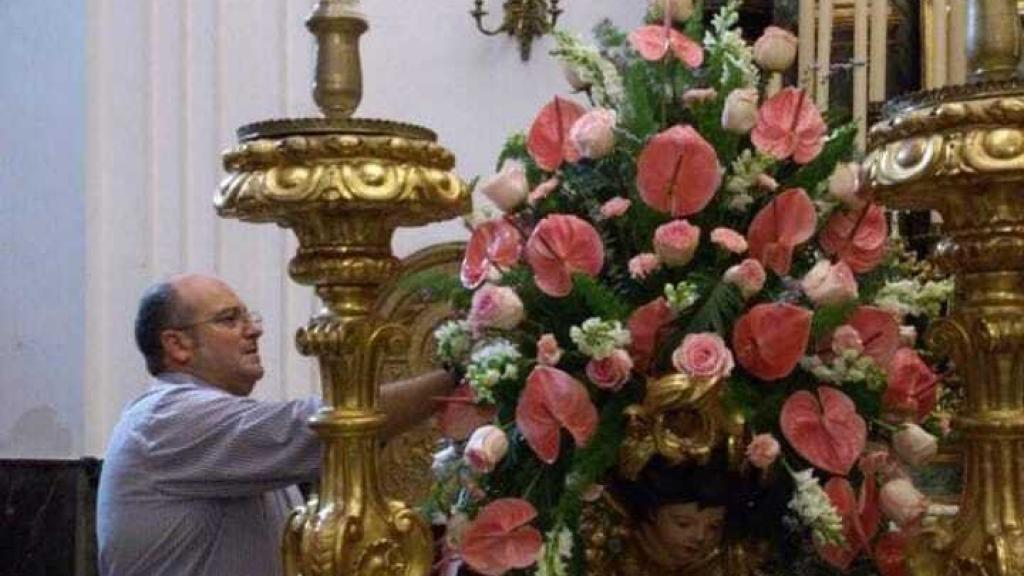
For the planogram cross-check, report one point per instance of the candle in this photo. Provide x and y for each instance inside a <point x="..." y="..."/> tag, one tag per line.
<point x="957" y="45"/>
<point x="939" y="60"/>
<point x="824" y="53"/>
<point x="860" y="72"/>
<point x="876" y="83"/>
<point x="805" y="43"/>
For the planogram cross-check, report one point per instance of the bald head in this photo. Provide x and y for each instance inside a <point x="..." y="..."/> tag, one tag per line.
<point x="160" y="308"/>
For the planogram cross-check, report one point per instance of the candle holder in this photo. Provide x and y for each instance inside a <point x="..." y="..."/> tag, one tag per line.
<point x="960" y="151"/>
<point x="343" y="185"/>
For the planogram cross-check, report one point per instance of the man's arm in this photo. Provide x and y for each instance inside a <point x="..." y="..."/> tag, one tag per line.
<point x="410" y="401"/>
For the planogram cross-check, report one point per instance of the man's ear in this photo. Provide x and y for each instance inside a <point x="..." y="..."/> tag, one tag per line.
<point x="177" y="346"/>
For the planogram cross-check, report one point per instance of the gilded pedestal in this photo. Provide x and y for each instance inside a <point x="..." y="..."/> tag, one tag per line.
<point x="343" y="185"/>
<point x="961" y="151"/>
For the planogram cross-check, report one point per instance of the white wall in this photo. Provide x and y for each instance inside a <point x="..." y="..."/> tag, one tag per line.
<point x="167" y="82"/>
<point x="42" y="227"/>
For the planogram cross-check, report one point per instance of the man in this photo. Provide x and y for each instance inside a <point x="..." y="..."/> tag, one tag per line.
<point x="197" y="474"/>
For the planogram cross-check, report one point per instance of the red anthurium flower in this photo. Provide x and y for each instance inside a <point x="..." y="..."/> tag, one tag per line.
<point x="553" y="400"/>
<point x="548" y="140"/>
<point x="678" y="172"/>
<point x="560" y="245"/>
<point x="644" y="325"/>
<point x="860" y="516"/>
<point x="879" y="332"/>
<point x="654" y="41"/>
<point x="493" y="243"/>
<point x="500" y="538"/>
<point x="789" y="124"/>
<point x="460" y="415"/>
<point x="825" y="430"/>
<point x="770" y="339"/>
<point x="783" y="224"/>
<point x="891" y="554"/>
<point x="857" y="236"/>
<point x="911" y="386"/>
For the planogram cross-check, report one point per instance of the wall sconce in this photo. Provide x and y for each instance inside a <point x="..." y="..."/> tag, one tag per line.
<point x="524" y="19"/>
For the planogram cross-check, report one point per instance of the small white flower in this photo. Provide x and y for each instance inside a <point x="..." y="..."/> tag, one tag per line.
<point x="491" y="363"/>
<point x="812" y="506"/>
<point x="682" y="295"/>
<point x="599" y="338"/>
<point x="453" y="340"/>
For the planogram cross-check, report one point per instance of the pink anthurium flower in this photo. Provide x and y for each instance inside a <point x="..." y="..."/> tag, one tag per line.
<point x="770" y="339"/>
<point x="553" y="400"/>
<point x="824" y="429"/>
<point x="911" y="386"/>
<point x="500" y="538"/>
<point x="493" y="243"/>
<point x="678" y="172"/>
<point x="548" y="139"/>
<point x="789" y="124"/>
<point x="644" y="325"/>
<point x="783" y="224"/>
<point x="858" y="237"/>
<point x="459" y="414"/>
<point x="861" y="517"/>
<point x="878" y="331"/>
<point x="560" y="245"/>
<point x="653" y="42"/>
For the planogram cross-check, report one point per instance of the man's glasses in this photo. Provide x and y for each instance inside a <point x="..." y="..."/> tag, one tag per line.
<point x="230" y="318"/>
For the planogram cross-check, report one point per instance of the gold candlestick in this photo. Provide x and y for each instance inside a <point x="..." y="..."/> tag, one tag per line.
<point x="961" y="151"/>
<point x="343" y="185"/>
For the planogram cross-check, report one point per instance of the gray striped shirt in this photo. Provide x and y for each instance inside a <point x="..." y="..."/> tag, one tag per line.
<point x="198" y="482"/>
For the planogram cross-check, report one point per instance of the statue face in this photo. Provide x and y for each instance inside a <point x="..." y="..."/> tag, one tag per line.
<point x="682" y="534"/>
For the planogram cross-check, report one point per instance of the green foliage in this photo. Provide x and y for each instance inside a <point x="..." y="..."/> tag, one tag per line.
<point x="718" y="312"/>
<point x="837" y="149"/>
<point x="827" y="318"/>
<point x="599" y="299"/>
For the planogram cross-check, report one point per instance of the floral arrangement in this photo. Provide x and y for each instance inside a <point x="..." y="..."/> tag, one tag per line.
<point x="698" y="223"/>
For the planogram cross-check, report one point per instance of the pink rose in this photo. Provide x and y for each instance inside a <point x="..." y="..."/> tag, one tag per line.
<point x="548" y="351"/>
<point x="508" y="188"/>
<point x="846" y="338"/>
<point x="641" y="265"/>
<point x="729" y="240"/>
<point x="739" y="115"/>
<point x="542" y="190"/>
<point x="749" y="276"/>
<point x="593" y="134"/>
<point x="486" y="447"/>
<point x="495" y="307"/>
<point x="844" y="185"/>
<point x="910" y="385"/>
<point x="612" y="372"/>
<point x="901" y="502"/>
<point x="615" y="207"/>
<point x="676" y="241"/>
<point x="762" y="451"/>
<point x="827" y="284"/>
<point x="703" y="355"/>
<point x="695" y="96"/>
<point x="775" y="50"/>
<point x="914" y="445"/>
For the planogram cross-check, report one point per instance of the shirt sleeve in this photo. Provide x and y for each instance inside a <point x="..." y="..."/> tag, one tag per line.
<point x="207" y="443"/>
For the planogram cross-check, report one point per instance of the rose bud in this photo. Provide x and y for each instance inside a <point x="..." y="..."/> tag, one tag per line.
<point x="612" y="372"/>
<point x="901" y="502"/>
<point x="844" y="185"/>
<point x="739" y="115"/>
<point x="749" y="276"/>
<point x="548" y="350"/>
<point x="508" y="188"/>
<point x="486" y="447"/>
<point x="675" y="242"/>
<point x="593" y="134"/>
<point x="495" y="307"/>
<point x="829" y="284"/>
<point x="762" y="451"/>
<point x="915" y="445"/>
<point x="775" y="50"/>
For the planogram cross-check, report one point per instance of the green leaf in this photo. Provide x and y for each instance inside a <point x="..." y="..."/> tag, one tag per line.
<point x="827" y="318"/>
<point x="599" y="299"/>
<point x="837" y="149"/>
<point x="719" y="310"/>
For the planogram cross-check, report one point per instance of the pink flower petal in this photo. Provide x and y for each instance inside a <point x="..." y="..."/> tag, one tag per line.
<point x="879" y="332"/>
<point x="548" y="140"/>
<point x="493" y="243"/>
<point x="459" y="414"/>
<point x="858" y="237"/>
<point x="500" y="538"/>
<point x="789" y="124"/>
<point x="678" y="172"/>
<point x="560" y="245"/>
<point x="553" y="400"/>
<point x="654" y="41"/>
<point x="784" y="223"/>
<point x="825" y="430"/>
<point x="644" y="325"/>
<point x="770" y="339"/>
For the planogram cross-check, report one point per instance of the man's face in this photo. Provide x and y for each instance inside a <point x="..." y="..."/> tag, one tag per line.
<point x="224" y="348"/>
